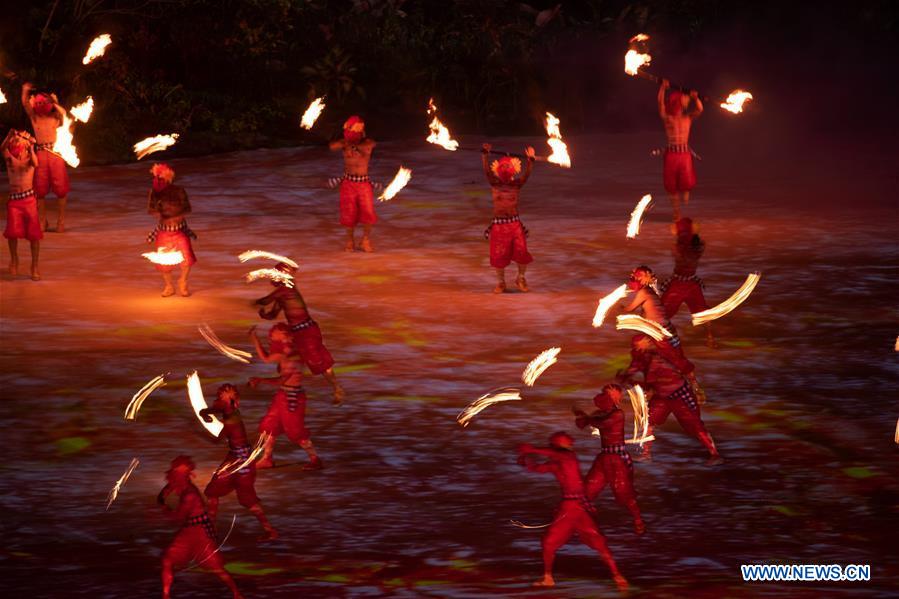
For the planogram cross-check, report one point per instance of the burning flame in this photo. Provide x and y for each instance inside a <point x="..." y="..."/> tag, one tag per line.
<point x="728" y="305"/>
<point x="165" y="257"/>
<point x="559" y="148"/>
<point x="97" y="48"/>
<point x="641" y="416"/>
<point x="253" y="254"/>
<point x="83" y="111"/>
<point x="233" y="466"/>
<point x="640" y="37"/>
<point x="633" y="322"/>
<point x="312" y="113"/>
<point x="485" y="401"/>
<point x="222" y="544"/>
<point x="633" y="60"/>
<point x="137" y="400"/>
<point x="399" y="182"/>
<point x="2" y="97"/>
<point x="606" y="303"/>
<point x="198" y="402"/>
<point x="154" y="144"/>
<point x="440" y="135"/>
<point x="271" y="273"/>
<point x="230" y="352"/>
<point x="63" y="145"/>
<point x="896" y="438"/>
<point x="538" y="365"/>
<point x="633" y="227"/>
<point x="735" y="101"/>
<point x="122" y="479"/>
<point x="897" y="343"/>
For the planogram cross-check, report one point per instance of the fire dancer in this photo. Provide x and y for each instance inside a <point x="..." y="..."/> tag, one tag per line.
<point x="356" y="196"/>
<point x="649" y="304"/>
<point x="287" y="411"/>
<point x="575" y="513"/>
<point x="307" y="336"/>
<point x="46" y="116"/>
<point x="195" y="540"/>
<point x="169" y="203"/>
<point x="613" y="465"/>
<point x="684" y="286"/>
<point x="679" y="175"/>
<point x="672" y="392"/>
<point x="506" y="233"/>
<point x="21" y="209"/>
<point x="225" y="407"/>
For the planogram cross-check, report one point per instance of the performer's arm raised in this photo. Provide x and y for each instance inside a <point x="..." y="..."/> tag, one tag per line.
<point x="662" y="89"/>
<point x="531" y="155"/>
<point x="26" y="99"/>
<point x="697" y="103"/>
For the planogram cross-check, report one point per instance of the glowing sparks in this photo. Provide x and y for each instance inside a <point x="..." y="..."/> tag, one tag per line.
<point x="83" y="111"/>
<point x="399" y="181"/>
<point x="440" y="135"/>
<point x="634" y="60"/>
<point x="233" y="466"/>
<point x="559" y="153"/>
<point x="97" y="48"/>
<point x="606" y="303"/>
<point x="641" y="416"/>
<point x="485" y="401"/>
<point x="253" y="254"/>
<point x="198" y="402"/>
<point x="735" y="101"/>
<point x="271" y="273"/>
<point x="312" y="113"/>
<point x="728" y="305"/>
<point x="122" y="480"/>
<point x="165" y="257"/>
<point x="63" y="145"/>
<point x="633" y="226"/>
<point x="154" y="144"/>
<point x="632" y="322"/>
<point x="640" y="37"/>
<point x="235" y="354"/>
<point x="137" y="400"/>
<point x="538" y="365"/>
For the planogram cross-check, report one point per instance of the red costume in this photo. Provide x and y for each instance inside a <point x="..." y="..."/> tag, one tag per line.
<point x="171" y="201"/>
<point x="357" y="201"/>
<point x="508" y="242"/>
<point x="50" y="173"/>
<point x="307" y="336"/>
<point x="684" y="286"/>
<point x="244" y="479"/>
<point x="22" y="220"/>
<point x="678" y="172"/>
<point x="287" y="414"/>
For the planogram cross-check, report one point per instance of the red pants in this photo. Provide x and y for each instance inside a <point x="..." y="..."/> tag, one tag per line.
<point x="613" y="470"/>
<point x="281" y="419"/>
<point x="311" y="347"/>
<point x="508" y="244"/>
<point x="50" y="174"/>
<point x="571" y="517"/>
<point x="220" y="486"/>
<point x="678" y="173"/>
<point x="192" y="544"/>
<point x="687" y="416"/>
<point x="679" y="292"/>
<point x="177" y="240"/>
<point x="356" y="204"/>
<point x="22" y="220"/>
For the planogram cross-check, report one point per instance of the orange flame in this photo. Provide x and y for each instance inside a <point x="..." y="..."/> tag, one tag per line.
<point x="83" y="111"/>
<point x="226" y="350"/>
<point x="63" y="144"/>
<point x="253" y="254"/>
<point x="165" y="257"/>
<point x="2" y="97"/>
<point x="485" y="401"/>
<point x="633" y="60"/>
<point x="735" y="101"/>
<point x="440" y="135"/>
<point x="399" y="182"/>
<point x="559" y="148"/>
<point x="641" y="416"/>
<point x="312" y="113"/>
<point x="154" y="144"/>
<point x="538" y="365"/>
<point x="198" y="402"/>
<point x="640" y="37"/>
<point x="633" y="227"/>
<point x="606" y="303"/>
<point x="97" y="48"/>
<point x="137" y="400"/>
<point x="728" y="305"/>
<point x="271" y="273"/>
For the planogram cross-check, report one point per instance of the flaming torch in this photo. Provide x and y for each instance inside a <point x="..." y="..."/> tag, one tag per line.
<point x="641" y="416"/>
<point x="253" y="254"/>
<point x="399" y="182"/>
<point x="165" y="257"/>
<point x="154" y="144"/>
<point x="538" y="365"/>
<point x="559" y="148"/>
<point x="485" y="401"/>
<point x="122" y="480"/>
<point x="632" y="322"/>
<point x="83" y="111"/>
<point x="97" y="48"/>
<point x="198" y="402"/>
<point x="312" y="113"/>
<point x="271" y="273"/>
<point x="235" y="354"/>
<point x="440" y="135"/>
<point x="728" y="305"/>
<point x="137" y="400"/>
<point x="606" y="303"/>
<point x="735" y="101"/>
<point x="63" y="145"/>
<point x="633" y="226"/>
<point x="234" y="465"/>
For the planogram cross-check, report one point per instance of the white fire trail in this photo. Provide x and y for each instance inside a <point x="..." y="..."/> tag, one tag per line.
<point x="198" y="402"/>
<point x="83" y="111"/>
<point x="2" y="97"/>
<point x="606" y="303"/>
<point x="633" y="226"/>
<point x="253" y="254"/>
<point x="728" y="305"/>
<point x="896" y="438"/>
<point x="633" y="60"/>
<point x="440" y="135"/>
<point x="559" y="148"/>
<point x="233" y="466"/>
<point x="735" y="101"/>
<point x="222" y="544"/>
<point x="63" y="145"/>
<point x="137" y="400"/>
<point x="399" y="182"/>
<point x="270" y="273"/>
<point x="487" y="400"/>
<point x="641" y="416"/>
<point x="632" y="322"/>
<point x="538" y="365"/>
<point x="165" y="257"/>
<point x="154" y="144"/>
<point x="312" y="113"/>
<point x="97" y="48"/>
<point x="235" y="354"/>
<point x="118" y="485"/>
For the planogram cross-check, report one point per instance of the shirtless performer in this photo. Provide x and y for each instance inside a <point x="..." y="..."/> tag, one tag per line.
<point x="613" y="465"/>
<point x="169" y="204"/>
<point x="21" y="209"/>
<point x="226" y="408"/>
<point x="679" y="175"/>
<point x="46" y="116"/>
<point x="195" y="541"/>
<point x="575" y="513"/>
<point x="649" y="304"/>
<point x="287" y="412"/>
<point x="684" y="286"/>
<point x="506" y="233"/>
<point x="356" y="196"/>
<point x="307" y="336"/>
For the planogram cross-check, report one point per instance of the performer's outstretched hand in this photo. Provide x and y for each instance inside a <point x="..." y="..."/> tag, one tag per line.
<point x="530" y="153"/>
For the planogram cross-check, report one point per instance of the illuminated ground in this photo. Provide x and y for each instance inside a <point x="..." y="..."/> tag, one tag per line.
<point x="802" y="393"/>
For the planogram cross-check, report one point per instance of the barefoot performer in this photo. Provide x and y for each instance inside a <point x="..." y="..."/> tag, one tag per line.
<point x="575" y="513"/>
<point x="307" y="336"/>
<point x="225" y="407"/>
<point x="170" y="204"/>
<point x="613" y="465"/>
<point x="506" y="234"/>
<point x="356" y="196"/>
<point x="684" y="286"/>
<point x="679" y="176"/>
<point x="22" y="220"/>
<point x="287" y="412"/>
<point x="195" y="541"/>
<point x="672" y="392"/>
<point x="46" y="116"/>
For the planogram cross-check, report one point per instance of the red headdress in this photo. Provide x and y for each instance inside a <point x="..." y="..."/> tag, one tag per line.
<point x="231" y="405"/>
<point x="562" y="440"/>
<point x="161" y="170"/>
<point x="279" y="347"/>
<point x="604" y="400"/>
<point x="506" y="168"/>
<point x="354" y="129"/>
<point x="42" y="104"/>
<point x="181" y="466"/>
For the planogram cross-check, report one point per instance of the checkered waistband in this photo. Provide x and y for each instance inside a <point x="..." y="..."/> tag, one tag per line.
<point x="505" y="220"/>
<point x="46" y="146"/>
<point x="292" y="392"/>
<point x="21" y="195"/>
<point x="620" y="450"/>
<point x="204" y="521"/>
<point x="336" y="181"/>
<point x="580" y="498"/>
<point x="673" y="340"/>
<point x="683" y="278"/>
<point x="685" y="394"/>
<point x="241" y="454"/>
<point x="182" y="227"/>
<point x="677" y="148"/>
<point x="302" y="325"/>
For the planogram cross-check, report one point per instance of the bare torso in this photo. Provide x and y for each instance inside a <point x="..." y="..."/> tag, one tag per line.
<point x="505" y="198"/>
<point x="647" y="302"/>
<point x="677" y="129"/>
<point x="45" y="128"/>
<point x="356" y="156"/>
<point x="686" y="257"/>
<point x="290" y="368"/>
<point x="170" y="205"/>
<point x="20" y="171"/>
